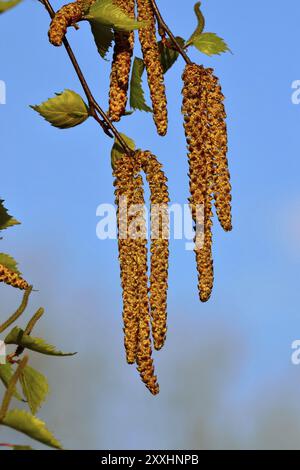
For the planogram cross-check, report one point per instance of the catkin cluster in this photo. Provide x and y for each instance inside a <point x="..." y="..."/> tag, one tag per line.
<point x="121" y="65"/>
<point x="144" y="306"/>
<point x="68" y="15"/>
<point x="205" y="129"/>
<point x="12" y="278"/>
<point x="153" y="65"/>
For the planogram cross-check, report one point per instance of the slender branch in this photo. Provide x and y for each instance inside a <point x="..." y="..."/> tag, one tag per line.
<point x="11" y="388"/>
<point x="163" y="26"/>
<point x="95" y="108"/>
<point x="19" y="312"/>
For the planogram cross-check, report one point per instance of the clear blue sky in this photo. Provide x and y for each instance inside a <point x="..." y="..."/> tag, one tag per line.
<point x="54" y="180"/>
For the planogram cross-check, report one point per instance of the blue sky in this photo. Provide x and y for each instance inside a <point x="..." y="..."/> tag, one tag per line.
<point x="54" y="180"/>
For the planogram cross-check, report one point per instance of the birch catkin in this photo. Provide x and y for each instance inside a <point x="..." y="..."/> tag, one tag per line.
<point x="159" y="246"/>
<point x="153" y="65"/>
<point x="219" y="146"/>
<point x="121" y="65"/>
<point x="125" y="184"/>
<point x="134" y="272"/>
<point x="66" y="16"/>
<point x="12" y="278"/>
<point x="195" y="99"/>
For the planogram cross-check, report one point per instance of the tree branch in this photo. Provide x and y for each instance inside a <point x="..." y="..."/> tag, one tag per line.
<point x="163" y="26"/>
<point x="95" y="109"/>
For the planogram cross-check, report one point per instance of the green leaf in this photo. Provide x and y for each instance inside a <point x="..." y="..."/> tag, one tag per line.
<point x="107" y="13"/>
<point x="9" y="263"/>
<point x="117" y="150"/>
<point x="168" y="55"/>
<point x="17" y="336"/>
<point x="65" y="110"/>
<point x="103" y="37"/>
<point x="35" y="388"/>
<point x="137" y="98"/>
<point x="210" y="44"/>
<point x="6" y="373"/>
<point x="23" y="421"/>
<point x="6" y="220"/>
<point x="7" y="5"/>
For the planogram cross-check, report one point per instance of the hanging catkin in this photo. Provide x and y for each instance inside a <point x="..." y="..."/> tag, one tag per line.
<point x="159" y="246"/>
<point x="153" y="65"/>
<point x="68" y="15"/>
<point x="219" y="147"/>
<point x="196" y="121"/>
<point x="125" y="184"/>
<point x="121" y="65"/>
<point x="12" y="278"/>
<point x="134" y="272"/>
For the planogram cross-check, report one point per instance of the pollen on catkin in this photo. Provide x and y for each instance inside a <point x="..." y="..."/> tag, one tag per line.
<point x="219" y="147"/>
<point x="134" y="270"/>
<point x="153" y="65"/>
<point x="125" y="188"/>
<point x="201" y="168"/>
<point x="67" y="15"/>
<point x="160" y="222"/>
<point x="12" y="278"/>
<point x="121" y="65"/>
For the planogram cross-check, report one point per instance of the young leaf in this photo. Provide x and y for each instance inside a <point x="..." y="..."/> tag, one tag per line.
<point x="9" y="263"/>
<point x="7" y="5"/>
<point x="117" y="150"/>
<point x="17" y="336"/>
<point x="35" y="388"/>
<point x="168" y="55"/>
<point x="107" y="13"/>
<point x="65" y="110"/>
<point x="6" y="220"/>
<point x="103" y="37"/>
<point x="137" y="98"/>
<point x="22" y="421"/>
<point x="201" y="23"/>
<point x="210" y="44"/>
<point x="6" y="373"/>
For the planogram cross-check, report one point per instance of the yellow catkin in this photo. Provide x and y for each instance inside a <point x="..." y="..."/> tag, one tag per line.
<point x="134" y="272"/>
<point x="12" y="279"/>
<point x="66" y="16"/>
<point x="121" y="65"/>
<point x="153" y="65"/>
<point x="219" y="146"/>
<point x="125" y="184"/>
<point x="159" y="246"/>
<point x="195" y="97"/>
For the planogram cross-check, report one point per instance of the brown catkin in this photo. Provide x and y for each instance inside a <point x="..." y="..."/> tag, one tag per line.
<point x="195" y="101"/>
<point x="134" y="270"/>
<point x="125" y="184"/>
<point x="159" y="246"/>
<point x="66" y="16"/>
<point x="12" y="278"/>
<point x="219" y="146"/>
<point x="153" y="65"/>
<point x="121" y="65"/>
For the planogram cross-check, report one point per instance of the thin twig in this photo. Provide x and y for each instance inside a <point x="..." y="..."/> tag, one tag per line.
<point x="164" y="26"/>
<point x="11" y="388"/>
<point x="19" y="312"/>
<point x="95" y="108"/>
